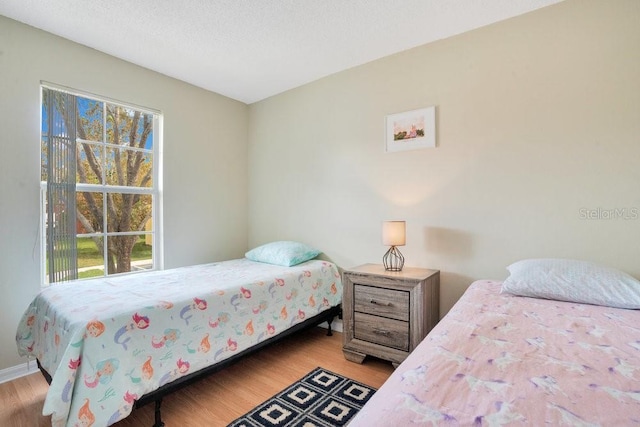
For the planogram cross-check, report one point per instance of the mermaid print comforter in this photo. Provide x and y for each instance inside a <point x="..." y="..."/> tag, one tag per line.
<point x="107" y="342"/>
<point x="497" y="359"/>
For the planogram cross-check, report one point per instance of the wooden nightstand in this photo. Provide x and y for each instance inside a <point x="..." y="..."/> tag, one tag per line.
<point x="387" y="313"/>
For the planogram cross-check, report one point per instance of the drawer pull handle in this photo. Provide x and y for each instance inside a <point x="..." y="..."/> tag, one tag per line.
<point x="386" y="304"/>
<point x="382" y="332"/>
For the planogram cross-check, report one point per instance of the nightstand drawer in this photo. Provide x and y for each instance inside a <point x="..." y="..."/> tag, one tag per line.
<point x="379" y="330"/>
<point x="381" y="302"/>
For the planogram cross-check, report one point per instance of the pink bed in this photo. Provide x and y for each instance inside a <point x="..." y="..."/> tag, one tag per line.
<point x="498" y="359"/>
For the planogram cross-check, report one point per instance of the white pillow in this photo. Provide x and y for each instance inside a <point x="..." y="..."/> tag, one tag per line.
<point x="574" y="281"/>
<point x="285" y="253"/>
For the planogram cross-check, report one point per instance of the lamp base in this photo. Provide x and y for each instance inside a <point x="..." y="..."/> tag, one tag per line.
<point x="393" y="260"/>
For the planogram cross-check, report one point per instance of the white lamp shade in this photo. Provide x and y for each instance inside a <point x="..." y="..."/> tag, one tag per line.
<point x="394" y="233"/>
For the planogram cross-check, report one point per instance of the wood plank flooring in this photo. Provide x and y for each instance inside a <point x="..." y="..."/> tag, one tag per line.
<point x="223" y="396"/>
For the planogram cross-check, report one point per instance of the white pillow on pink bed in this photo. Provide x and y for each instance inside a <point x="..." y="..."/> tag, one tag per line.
<point x="574" y="281"/>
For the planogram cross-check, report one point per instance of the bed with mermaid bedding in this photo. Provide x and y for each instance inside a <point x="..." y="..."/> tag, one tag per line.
<point x="556" y="343"/>
<point x="110" y="344"/>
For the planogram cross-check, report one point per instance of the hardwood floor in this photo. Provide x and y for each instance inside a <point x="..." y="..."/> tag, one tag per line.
<point x="220" y="398"/>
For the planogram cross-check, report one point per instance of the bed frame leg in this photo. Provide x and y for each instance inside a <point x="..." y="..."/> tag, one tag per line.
<point x="329" y="322"/>
<point x="159" y="422"/>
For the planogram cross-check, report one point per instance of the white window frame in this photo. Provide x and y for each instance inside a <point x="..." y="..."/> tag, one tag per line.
<point x="156" y="190"/>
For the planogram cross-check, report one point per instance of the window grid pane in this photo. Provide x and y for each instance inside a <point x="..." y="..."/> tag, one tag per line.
<point x="113" y="227"/>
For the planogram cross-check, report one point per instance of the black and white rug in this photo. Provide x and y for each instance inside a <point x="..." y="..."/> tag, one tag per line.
<point x="322" y="398"/>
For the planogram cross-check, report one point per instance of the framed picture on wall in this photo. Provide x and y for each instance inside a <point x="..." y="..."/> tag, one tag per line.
<point x="411" y="130"/>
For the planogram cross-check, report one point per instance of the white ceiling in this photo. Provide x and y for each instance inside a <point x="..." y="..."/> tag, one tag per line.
<point x="252" y="49"/>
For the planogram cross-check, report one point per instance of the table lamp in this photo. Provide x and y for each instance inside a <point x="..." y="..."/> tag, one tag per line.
<point x="393" y="234"/>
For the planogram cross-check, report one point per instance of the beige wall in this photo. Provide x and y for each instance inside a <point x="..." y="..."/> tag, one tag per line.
<point x="205" y="159"/>
<point x="538" y="117"/>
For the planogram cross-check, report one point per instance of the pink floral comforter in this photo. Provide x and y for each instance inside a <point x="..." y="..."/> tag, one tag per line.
<point x="497" y="359"/>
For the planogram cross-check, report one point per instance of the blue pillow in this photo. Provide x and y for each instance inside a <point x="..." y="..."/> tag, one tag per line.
<point x="285" y="253"/>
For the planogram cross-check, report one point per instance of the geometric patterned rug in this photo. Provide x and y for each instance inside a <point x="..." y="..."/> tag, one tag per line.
<point x="321" y="399"/>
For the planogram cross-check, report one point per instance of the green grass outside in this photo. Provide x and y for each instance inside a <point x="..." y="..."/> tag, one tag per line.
<point x="90" y="273"/>
<point x="88" y="256"/>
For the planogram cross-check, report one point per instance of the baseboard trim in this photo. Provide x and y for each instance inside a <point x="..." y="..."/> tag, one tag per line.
<point x="10" y="374"/>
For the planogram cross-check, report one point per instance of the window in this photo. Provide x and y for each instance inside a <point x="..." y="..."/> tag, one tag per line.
<point x="100" y="192"/>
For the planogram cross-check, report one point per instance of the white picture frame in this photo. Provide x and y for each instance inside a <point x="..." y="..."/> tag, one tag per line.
<point x="411" y="130"/>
